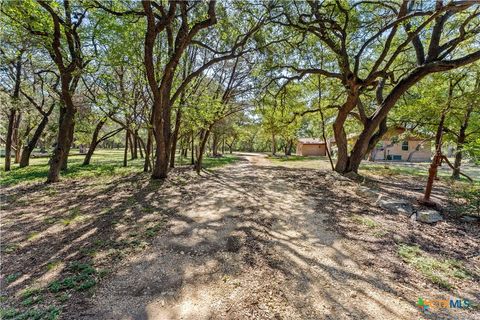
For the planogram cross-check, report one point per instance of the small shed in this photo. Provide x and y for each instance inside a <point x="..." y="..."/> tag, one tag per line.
<point x="311" y="147"/>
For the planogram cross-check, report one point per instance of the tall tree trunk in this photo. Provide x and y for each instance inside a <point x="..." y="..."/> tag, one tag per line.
<point x="437" y="159"/>
<point x="365" y="141"/>
<point x="93" y="142"/>
<point x="141" y="146"/>
<point x="130" y="144"/>
<point x="135" y="145"/>
<point x="68" y="146"/>
<point x="63" y="145"/>
<point x="8" y="140"/>
<point x="12" y="115"/>
<point x="125" y="152"/>
<point x="176" y="130"/>
<point x="27" y="150"/>
<point x="16" y="137"/>
<point x="192" y="159"/>
<point x="162" y="134"/>
<point x="322" y="118"/>
<point x="215" y="141"/>
<point x="274" y="145"/>
<point x="460" y="142"/>
<point x="201" y="149"/>
<point x="147" y="165"/>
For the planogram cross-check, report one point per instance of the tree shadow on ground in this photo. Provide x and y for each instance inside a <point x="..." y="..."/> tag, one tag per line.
<point x="167" y="247"/>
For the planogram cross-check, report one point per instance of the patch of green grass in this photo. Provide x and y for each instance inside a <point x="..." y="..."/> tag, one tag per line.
<point x="31" y="296"/>
<point x="10" y="248"/>
<point x="8" y="313"/>
<point x="30" y="292"/>
<point x="436" y="270"/>
<point x="102" y="273"/>
<point x="50" y="313"/>
<point x="104" y="163"/>
<point x="12" y="277"/>
<point x="73" y="216"/>
<point x="380" y="233"/>
<point x="365" y="221"/>
<point x="62" y="297"/>
<point x="153" y="230"/>
<point x="210" y="162"/>
<point x="83" y="278"/>
<point x="33" y="235"/>
<point x="53" y="265"/>
<point x="50" y="220"/>
<point x="471" y="196"/>
<point x="294" y="158"/>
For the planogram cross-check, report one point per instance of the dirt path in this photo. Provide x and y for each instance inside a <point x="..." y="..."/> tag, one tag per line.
<point x="249" y="241"/>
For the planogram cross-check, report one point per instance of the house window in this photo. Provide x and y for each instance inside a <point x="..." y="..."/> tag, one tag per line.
<point x="405" y="145"/>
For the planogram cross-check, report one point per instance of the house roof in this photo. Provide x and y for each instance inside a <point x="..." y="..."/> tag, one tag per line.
<point x="310" y="141"/>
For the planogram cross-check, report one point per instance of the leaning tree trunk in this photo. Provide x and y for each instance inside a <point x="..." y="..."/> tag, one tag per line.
<point x="28" y="149"/>
<point x="437" y="159"/>
<point x="201" y="149"/>
<point x="93" y="142"/>
<point x="462" y="135"/>
<point x="342" y="165"/>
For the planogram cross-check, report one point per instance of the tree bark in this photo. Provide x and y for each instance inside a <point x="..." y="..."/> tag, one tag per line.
<point x="201" y="149"/>
<point x="93" y="142"/>
<point x="437" y="159"/>
<point x="192" y="156"/>
<point x="28" y="149"/>
<point x="215" y="140"/>
<point x="178" y="119"/>
<point x="16" y="137"/>
<point x="68" y="146"/>
<point x="12" y="115"/>
<point x="125" y="152"/>
<point x="8" y="139"/>
<point x="135" y="145"/>
<point x="460" y="142"/>
<point x="69" y="77"/>
<point x="63" y="145"/>
<point x="274" y="145"/>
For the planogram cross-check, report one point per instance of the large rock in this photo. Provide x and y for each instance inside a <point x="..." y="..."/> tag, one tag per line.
<point x="429" y="216"/>
<point x="395" y="205"/>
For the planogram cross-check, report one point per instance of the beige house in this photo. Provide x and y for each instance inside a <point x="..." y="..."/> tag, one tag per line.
<point x="311" y="147"/>
<point x="397" y="145"/>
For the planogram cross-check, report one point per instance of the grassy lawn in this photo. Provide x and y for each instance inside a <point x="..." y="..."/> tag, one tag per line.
<point x="295" y="158"/>
<point x="377" y="168"/>
<point x="105" y="162"/>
